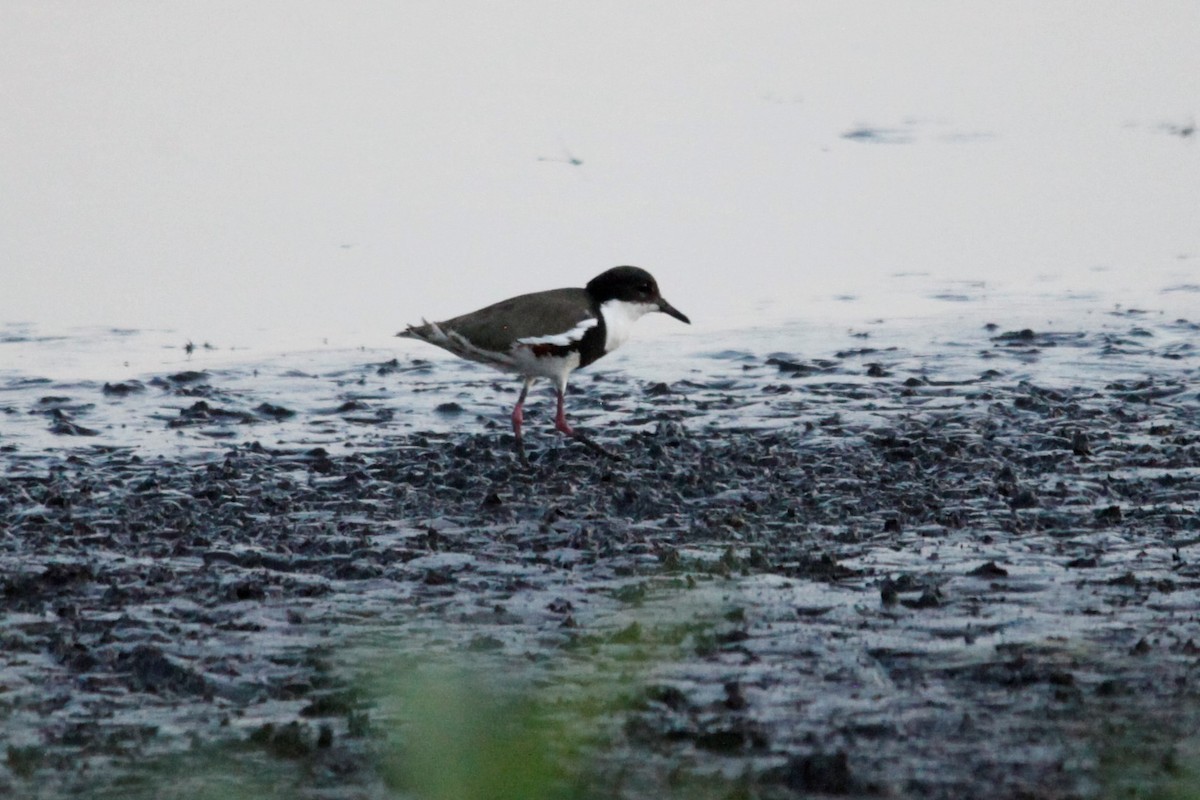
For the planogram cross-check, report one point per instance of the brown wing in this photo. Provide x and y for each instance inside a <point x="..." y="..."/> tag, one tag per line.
<point x="500" y="325"/>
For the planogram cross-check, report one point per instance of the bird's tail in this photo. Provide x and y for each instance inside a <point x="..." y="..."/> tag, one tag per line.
<point x="422" y="331"/>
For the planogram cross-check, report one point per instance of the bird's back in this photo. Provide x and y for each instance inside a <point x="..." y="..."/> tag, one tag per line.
<point x="498" y="327"/>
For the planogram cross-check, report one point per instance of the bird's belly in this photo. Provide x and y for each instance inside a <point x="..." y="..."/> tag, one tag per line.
<point x="554" y="367"/>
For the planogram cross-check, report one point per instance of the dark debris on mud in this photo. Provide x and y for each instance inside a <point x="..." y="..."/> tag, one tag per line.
<point x="928" y="588"/>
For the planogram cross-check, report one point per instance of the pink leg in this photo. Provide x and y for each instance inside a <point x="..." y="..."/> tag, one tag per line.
<point x="560" y="418"/>
<point x="518" y="416"/>
<point x="518" y="413"/>
<point x="560" y="422"/>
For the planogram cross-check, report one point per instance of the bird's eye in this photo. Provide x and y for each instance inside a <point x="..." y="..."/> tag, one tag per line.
<point x="646" y="287"/>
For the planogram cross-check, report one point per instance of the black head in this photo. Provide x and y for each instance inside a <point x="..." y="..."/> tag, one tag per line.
<point x="631" y="285"/>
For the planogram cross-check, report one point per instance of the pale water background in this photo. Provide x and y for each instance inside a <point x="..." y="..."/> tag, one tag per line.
<point x="272" y="178"/>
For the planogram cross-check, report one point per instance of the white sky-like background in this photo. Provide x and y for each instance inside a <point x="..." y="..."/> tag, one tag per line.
<point x="318" y="169"/>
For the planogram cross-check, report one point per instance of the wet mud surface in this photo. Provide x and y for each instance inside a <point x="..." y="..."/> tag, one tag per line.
<point x="969" y="570"/>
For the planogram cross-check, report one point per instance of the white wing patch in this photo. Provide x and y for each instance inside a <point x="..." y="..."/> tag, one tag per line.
<point x="563" y="339"/>
<point x="521" y="358"/>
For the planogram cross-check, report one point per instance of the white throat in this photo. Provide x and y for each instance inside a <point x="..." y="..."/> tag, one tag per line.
<point x="619" y="316"/>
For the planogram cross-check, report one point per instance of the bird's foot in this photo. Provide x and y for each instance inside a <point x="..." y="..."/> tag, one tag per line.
<point x="521" y="452"/>
<point x="591" y="445"/>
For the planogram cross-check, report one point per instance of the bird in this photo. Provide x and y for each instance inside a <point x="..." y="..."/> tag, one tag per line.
<point x="550" y="334"/>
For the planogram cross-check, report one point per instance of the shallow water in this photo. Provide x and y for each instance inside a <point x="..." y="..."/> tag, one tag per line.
<point x="276" y="393"/>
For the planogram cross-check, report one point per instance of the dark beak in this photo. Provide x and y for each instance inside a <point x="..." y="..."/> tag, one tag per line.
<point x="671" y="310"/>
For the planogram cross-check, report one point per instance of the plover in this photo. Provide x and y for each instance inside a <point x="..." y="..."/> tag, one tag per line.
<point x="550" y="334"/>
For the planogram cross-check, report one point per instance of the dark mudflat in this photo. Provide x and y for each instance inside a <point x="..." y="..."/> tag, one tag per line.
<point x="890" y="581"/>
